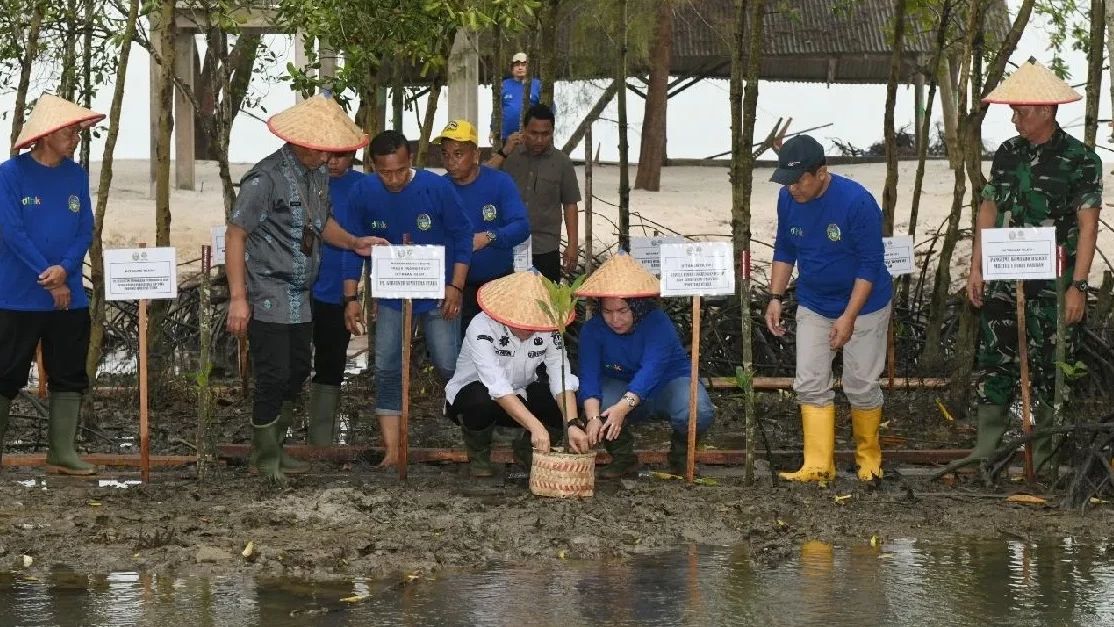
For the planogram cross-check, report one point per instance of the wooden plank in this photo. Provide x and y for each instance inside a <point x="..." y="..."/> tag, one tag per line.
<point x="130" y="460"/>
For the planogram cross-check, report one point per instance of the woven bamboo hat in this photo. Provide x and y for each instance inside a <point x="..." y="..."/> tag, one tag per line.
<point x="52" y="113"/>
<point x="622" y="276"/>
<point x="1032" y="84"/>
<point x="513" y="300"/>
<point x="320" y="124"/>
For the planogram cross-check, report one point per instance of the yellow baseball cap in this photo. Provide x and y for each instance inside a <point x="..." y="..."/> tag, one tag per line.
<point x="460" y="131"/>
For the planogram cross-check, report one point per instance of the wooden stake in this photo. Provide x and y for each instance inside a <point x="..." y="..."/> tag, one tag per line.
<point x="404" y="419"/>
<point x="1023" y="357"/>
<point x="245" y="364"/>
<point x="144" y="440"/>
<point x="694" y="380"/>
<point x="40" y="368"/>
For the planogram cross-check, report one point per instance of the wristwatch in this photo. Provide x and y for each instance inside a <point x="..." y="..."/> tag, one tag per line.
<point x="778" y="297"/>
<point x="501" y="153"/>
<point x="580" y="421"/>
<point x="490" y="236"/>
<point x="1081" y="285"/>
<point x="351" y="298"/>
<point x="631" y="399"/>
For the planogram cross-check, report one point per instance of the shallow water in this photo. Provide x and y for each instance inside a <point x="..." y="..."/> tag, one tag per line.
<point x="898" y="583"/>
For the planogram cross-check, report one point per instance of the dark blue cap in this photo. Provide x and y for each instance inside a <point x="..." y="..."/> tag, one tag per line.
<point x="798" y="155"/>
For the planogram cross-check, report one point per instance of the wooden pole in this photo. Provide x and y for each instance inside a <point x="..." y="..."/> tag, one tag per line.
<point x="206" y="443"/>
<point x="144" y="440"/>
<point x="245" y="364"/>
<point x="40" y="368"/>
<point x="694" y="379"/>
<point x="404" y="419"/>
<point x="589" y="260"/>
<point x="1023" y="357"/>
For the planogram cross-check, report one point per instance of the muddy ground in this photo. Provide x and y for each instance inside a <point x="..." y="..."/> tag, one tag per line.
<point x="365" y="522"/>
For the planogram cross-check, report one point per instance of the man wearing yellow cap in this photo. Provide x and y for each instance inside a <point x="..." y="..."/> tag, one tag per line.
<point x="46" y="227"/>
<point x="496" y="381"/>
<point x="493" y="206"/>
<point x="273" y="254"/>
<point x="1041" y="177"/>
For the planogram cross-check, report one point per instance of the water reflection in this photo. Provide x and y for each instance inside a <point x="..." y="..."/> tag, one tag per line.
<point x="899" y="583"/>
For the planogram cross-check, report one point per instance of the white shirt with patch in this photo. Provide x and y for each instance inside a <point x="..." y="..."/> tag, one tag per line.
<point x="492" y="355"/>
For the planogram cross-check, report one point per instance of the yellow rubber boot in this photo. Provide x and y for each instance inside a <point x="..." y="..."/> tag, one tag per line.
<point x="818" y="428"/>
<point x="868" y="451"/>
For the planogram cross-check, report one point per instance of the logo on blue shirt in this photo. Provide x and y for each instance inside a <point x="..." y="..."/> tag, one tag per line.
<point x="424" y="222"/>
<point x="74" y="204"/>
<point x="489" y="213"/>
<point x="834" y="233"/>
<point x="31" y="201"/>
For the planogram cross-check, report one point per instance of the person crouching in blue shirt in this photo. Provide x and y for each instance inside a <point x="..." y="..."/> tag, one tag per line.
<point x="633" y="367"/>
<point x="493" y="206"/>
<point x="831" y="228"/>
<point x="46" y="227"/>
<point x="401" y="203"/>
<point x="330" y="335"/>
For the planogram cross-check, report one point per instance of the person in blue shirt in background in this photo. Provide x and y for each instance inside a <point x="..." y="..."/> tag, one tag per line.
<point x="493" y="207"/>
<point x="397" y="203"/>
<point x="330" y="335"/>
<point x="513" y="88"/>
<point x="633" y="367"/>
<point x="46" y="227"/>
<point x="830" y="227"/>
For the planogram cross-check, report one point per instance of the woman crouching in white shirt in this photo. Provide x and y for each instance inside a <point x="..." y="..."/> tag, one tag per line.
<point x="496" y="381"/>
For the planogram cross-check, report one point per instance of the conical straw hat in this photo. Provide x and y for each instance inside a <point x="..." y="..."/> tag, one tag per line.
<point x="513" y="300"/>
<point x="52" y="113"/>
<point x="1032" y="84"/>
<point x="620" y="277"/>
<point x="320" y="124"/>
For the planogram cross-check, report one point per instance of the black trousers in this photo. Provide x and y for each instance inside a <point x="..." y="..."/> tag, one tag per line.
<point x="280" y="359"/>
<point x="65" y="338"/>
<point x="470" y="306"/>
<point x="549" y="264"/>
<point x="474" y="408"/>
<point x="330" y="343"/>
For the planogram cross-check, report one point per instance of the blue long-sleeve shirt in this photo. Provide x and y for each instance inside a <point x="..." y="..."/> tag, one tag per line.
<point x="512" y="103"/>
<point x="428" y="209"/>
<point x="647" y="357"/>
<point x="834" y="240"/>
<point x="46" y="219"/>
<point x="492" y="203"/>
<point x="329" y="287"/>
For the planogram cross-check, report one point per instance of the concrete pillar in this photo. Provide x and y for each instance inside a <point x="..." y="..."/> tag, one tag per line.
<point x="185" y="61"/>
<point x="464" y="77"/>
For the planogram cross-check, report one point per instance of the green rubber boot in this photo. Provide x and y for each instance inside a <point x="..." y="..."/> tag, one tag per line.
<point x="288" y="464"/>
<point x="678" y="452"/>
<point x="624" y="463"/>
<point x="323" y="403"/>
<point x="1044" y="449"/>
<point x="62" y="457"/>
<point x="992" y="424"/>
<point x="266" y="451"/>
<point x="5" y="410"/>
<point x="477" y="443"/>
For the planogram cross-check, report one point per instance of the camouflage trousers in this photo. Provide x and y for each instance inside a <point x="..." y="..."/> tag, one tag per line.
<point x="999" y="368"/>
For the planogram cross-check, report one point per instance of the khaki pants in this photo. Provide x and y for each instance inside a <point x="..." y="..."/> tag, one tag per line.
<point x="864" y="357"/>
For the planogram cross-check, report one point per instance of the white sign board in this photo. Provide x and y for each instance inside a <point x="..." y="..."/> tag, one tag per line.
<point x="647" y="250"/>
<point x="140" y="274"/>
<point x="1019" y="253"/>
<point x="697" y="269"/>
<point x="524" y="256"/>
<point x="408" y="272"/>
<point x="218" y="244"/>
<point x="898" y="254"/>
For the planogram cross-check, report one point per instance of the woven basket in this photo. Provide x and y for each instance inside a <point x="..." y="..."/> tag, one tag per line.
<point x="564" y="475"/>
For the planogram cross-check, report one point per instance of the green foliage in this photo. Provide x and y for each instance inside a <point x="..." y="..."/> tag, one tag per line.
<point x="1072" y="372"/>
<point x="562" y="302"/>
<point x="1068" y="21"/>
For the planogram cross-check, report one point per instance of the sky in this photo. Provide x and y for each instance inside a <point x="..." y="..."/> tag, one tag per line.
<point x="698" y="119"/>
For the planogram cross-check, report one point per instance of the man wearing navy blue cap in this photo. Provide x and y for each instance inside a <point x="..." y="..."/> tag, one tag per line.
<point x="830" y="227"/>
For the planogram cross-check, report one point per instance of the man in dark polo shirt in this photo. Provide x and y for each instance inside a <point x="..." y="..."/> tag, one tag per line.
<point x="547" y="182"/>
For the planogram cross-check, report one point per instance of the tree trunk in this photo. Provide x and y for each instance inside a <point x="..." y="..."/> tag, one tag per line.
<point x="397" y="99"/>
<point x="547" y="69"/>
<point x="67" y="87"/>
<point x="96" y="250"/>
<point x="592" y="116"/>
<point x="1094" y="73"/>
<point x="651" y="155"/>
<point x="948" y="106"/>
<point x="1110" y="50"/>
<point x="744" y="105"/>
<point x="30" y="53"/>
<point x="496" y="77"/>
<point x="624" y="146"/>
<point x="86" y="78"/>
<point x="367" y="115"/>
<point x="427" y="122"/>
<point x="889" y="191"/>
<point x="164" y="127"/>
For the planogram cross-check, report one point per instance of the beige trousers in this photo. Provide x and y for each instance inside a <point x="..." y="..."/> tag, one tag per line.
<point x="864" y="357"/>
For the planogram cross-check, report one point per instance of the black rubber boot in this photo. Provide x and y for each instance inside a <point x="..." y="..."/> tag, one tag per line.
<point x="477" y="443"/>
<point x="323" y="403"/>
<point x="288" y="464"/>
<point x="624" y="462"/>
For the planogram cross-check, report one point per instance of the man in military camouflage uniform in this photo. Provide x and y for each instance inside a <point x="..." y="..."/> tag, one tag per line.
<point x="1041" y="178"/>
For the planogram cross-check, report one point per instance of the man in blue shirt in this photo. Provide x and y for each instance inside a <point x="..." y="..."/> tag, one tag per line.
<point x="407" y="206"/>
<point x="330" y="336"/>
<point x="46" y="227"/>
<point x="493" y="207"/>
<point x="513" y="88"/>
<point x="830" y="227"/>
